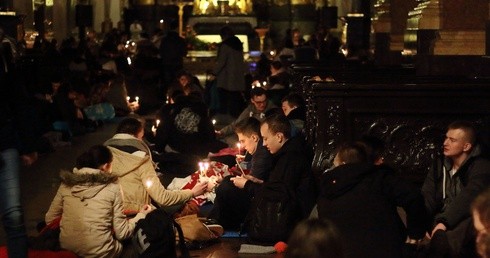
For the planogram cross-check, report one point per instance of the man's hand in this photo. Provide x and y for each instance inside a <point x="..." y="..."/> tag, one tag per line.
<point x="239" y="181"/>
<point x="253" y="179"/>
<point x="439" y="226"/>
<point x="29" y="159"/>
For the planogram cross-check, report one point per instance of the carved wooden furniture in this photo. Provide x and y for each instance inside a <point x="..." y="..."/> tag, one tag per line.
<point x="411" y="119"/>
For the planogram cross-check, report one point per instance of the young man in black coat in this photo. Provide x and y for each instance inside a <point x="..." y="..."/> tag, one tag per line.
<point x="291" y="161"/>
<point x="361" y="199"/>
<point x="232" y="203"/>
<point x="450" y="190"/>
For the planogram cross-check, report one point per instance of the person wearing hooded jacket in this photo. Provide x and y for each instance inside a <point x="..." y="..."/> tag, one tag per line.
<point x="137" y="176"/>
<point x="361" y="199"/>
<point x="450" y="189"/>
<point x="90" y="206"/>
<point x="229" y="71"/>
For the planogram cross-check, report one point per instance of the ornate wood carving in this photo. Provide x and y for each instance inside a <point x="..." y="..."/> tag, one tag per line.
<point x="411" y="119"/>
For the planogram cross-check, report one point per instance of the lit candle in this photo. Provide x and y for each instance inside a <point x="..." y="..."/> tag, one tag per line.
<point x="206" y="167"/>
<point x="201" y="168"/>
<point x="158" y="122"/>
<point x="137" y="99"/>
<point x="264" y="83"/>
<point x="239" y="146"/>
<point x="128" y="98"/>
<point x="214" y="122"/>
<point x="148" y="184"/>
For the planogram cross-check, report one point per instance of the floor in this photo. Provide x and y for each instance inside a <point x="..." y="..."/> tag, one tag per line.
<point x="40" y="182"/>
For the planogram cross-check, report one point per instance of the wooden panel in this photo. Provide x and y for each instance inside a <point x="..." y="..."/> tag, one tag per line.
<point x="411" y="119"/>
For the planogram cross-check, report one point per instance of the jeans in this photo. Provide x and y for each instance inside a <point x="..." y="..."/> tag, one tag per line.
<point x="10" y="207"/>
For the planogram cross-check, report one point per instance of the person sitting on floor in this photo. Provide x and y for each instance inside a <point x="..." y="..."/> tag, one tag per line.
<point x="135" y="169"/>
<point x="232" y="203"/>
<point x="89" y="203"/>
<point x="451" y="187"/>
<point x="362" y="199"/>
<point x="294" y="108"/>
<point x="291" y="162"/>
<point x="481" y="221"/>
<point x="257" y="108"/>
<point x="314" y="238"/>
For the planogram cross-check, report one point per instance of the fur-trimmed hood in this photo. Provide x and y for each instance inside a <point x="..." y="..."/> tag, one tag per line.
<point x="85" y="183"/>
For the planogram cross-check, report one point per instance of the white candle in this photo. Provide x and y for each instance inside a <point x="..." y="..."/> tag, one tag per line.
<point x="201" y="168"/>
<point x="214" y="122"/>
<point x="148" y="184"/>
<point x="137" y="99"/>
<point x="206" y="167"/>
<point x="157" y="122"/>
<point x="239" y="146"/>
<point x="128" y="98"/>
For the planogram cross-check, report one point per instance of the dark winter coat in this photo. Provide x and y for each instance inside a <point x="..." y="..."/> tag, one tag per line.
<point x="230" y="66"/>
<point x="186" y="128"/>
<point x="361" y="200"/>
<point x="292" y="165"/>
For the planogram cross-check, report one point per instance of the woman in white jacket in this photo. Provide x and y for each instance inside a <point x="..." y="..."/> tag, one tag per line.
<point x="90" y="206"/>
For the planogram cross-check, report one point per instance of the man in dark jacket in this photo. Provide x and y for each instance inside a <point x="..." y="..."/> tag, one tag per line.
<point x="362" y="200"/>
<point x="450" y="190"/>
<point x="232" y="203"/>
<point x="229" y="71"/>
<point x="173" y="49"/>
<point x="291" y="161"/>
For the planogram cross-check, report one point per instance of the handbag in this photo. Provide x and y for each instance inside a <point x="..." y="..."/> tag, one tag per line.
<point x="197" y="234"/>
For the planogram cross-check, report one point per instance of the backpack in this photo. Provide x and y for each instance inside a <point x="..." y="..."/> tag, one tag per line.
<point x="154" y="236"/>
<point x="274" y="213"/>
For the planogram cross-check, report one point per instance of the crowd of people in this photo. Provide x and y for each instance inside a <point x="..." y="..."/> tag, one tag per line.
<point x="113" y="185"/>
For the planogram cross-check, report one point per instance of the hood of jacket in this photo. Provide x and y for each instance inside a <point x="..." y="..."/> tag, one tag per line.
<point x="343" y="178"/>
<point x="124" y="162"/>
<point x="475" y="152"/>
<point x="125" y="141"/>
<point x="85" y="183"/>
<point x="233" y="42"/>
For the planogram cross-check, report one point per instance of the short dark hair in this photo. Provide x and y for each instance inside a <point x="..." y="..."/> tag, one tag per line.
<point x="352" y="152"/>
<point x="481" y="205"/>
<point x="248" y="126"/>
<point x="277" y="65"/>
<point x="294" y="99"/>
<point x="257" y="91"/>
<point x="94" y="157"/>
<point x="467" y="127"/>
<point x="226" y="32"/>
<point x="278" y="123"/>
<point x="130" y="126"/>
<point x="315" y="238"/>
<point x="374" y="146"/>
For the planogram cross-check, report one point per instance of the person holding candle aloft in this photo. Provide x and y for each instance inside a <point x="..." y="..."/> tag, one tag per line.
<point x="232" y="203"/>
<point x="89" y="203"/>
<point x="135" y="169"/>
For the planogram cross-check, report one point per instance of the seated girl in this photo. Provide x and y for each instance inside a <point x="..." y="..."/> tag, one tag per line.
<point x="90" y="206"/>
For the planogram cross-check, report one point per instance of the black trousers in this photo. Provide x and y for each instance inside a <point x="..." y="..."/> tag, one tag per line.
<point x="231" y="205"/>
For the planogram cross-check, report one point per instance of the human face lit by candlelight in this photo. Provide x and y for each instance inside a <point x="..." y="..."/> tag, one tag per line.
<point x="272" y="141"/>
<point x="287" y="108"/>
<point x="260" y="102"/>
<point x="249" y="143"/>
